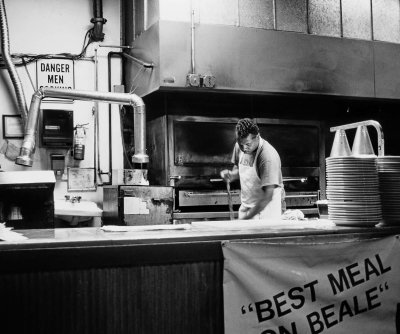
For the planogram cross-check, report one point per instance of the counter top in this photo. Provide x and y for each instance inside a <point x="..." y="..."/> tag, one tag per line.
<point x="197" y="231"/>
<point x="77" y="248"/>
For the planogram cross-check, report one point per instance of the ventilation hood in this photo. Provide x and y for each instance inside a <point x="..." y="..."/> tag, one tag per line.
<point x="260" y="61"/>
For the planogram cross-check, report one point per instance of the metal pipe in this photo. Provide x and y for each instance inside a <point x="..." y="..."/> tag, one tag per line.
<point x="275" y="24"/>
<point x="139" y="123"/>
<point x="375" y="124"/>
<point x="109" y="57"/>
<point x="192" y="43"/>
<point x="122" y="98"/>
<point x="5" y="47"/>
<point x="116" y="46"/>
<point x="96" y="120"/>
<point x="98" y="21"/>
<point x="140" y="62"/>
<point x="145" y="14"/>
<point x="28" y="146"/>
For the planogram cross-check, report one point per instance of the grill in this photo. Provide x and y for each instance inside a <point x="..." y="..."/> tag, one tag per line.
<point x="188" y="153"/>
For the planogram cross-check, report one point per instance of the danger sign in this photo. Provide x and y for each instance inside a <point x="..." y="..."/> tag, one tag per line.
<point x="55" y="73"/>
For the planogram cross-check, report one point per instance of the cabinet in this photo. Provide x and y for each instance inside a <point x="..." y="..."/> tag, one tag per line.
<point x="26" y="199"/>
<point x="137" y="205"/>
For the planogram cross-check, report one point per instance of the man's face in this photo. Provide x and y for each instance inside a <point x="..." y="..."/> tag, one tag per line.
<point x="249" y="143"/>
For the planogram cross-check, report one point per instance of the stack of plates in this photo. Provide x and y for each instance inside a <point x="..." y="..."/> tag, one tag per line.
<point x="389" y="183"/>
<point x="353" y="191"/>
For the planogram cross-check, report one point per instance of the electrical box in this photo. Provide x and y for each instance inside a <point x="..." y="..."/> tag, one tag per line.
<point x="57" y="128"/>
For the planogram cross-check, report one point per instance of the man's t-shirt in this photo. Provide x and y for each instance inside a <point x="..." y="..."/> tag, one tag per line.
<point x="268" y="163"/>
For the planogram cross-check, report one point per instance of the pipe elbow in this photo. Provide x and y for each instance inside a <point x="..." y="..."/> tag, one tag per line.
<point x="136" y="100"/>
<point x="97" y="32"/>
<point x="39" y="93"/>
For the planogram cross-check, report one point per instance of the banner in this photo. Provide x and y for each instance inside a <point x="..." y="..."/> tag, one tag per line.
<point x="348" y="286"/>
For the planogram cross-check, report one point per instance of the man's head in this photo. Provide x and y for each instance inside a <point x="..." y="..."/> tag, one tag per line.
<point x="247" y="135"/>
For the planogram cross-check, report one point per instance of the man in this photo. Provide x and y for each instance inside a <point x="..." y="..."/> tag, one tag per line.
<point x="258" y="166"/>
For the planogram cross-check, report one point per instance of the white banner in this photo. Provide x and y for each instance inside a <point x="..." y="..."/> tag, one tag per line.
<point x="336" y="287"/>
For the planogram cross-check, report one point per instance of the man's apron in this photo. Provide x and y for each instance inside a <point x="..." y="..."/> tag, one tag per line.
<point x="251" y="191"/>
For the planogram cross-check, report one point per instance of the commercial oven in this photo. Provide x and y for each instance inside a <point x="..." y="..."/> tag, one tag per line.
<point x="188" y="153"/>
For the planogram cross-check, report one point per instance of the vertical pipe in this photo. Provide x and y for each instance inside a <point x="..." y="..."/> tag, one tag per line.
<point x="139" y="123"/>
<point x="372" y="21"/>
<point x="96" y="157"/>
<point x="145" y="15"/>
<point x="98" y="21"/>
<point x="28" y="145"/>
<point x="109" y="56"/>
<point x="308" y="16"/>
<point x="341" y="18"/>
<point x="192" y="43"/>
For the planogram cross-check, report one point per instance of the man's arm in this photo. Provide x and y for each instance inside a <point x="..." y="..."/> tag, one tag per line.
<point x="268" y="191"/>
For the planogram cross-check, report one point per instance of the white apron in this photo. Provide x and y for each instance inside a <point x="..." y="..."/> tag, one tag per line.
<point x="251" y="191"/>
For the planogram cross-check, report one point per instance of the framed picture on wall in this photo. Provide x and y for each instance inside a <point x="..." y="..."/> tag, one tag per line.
<point x="81" y="179"/>
<point x="12" y="127"/>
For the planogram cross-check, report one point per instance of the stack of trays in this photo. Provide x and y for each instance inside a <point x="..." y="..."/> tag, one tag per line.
<point x="389" y="184"/>
<point x="353" y="191"/>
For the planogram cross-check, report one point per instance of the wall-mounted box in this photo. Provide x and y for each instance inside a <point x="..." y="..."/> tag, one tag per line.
<point x="57" y="128"/>
<point x="57" y="164"/>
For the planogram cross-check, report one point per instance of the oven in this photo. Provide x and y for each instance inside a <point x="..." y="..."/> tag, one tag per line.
<point x="188" y="153"/>
<point x="301" y="146"/>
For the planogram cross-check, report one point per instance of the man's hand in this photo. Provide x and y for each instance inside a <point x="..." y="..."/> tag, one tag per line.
<point x="226" y="175"/>
<point x="230" y="175"/>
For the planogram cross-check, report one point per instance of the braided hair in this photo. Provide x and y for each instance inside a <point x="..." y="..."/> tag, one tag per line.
<point x="246" y="126"/>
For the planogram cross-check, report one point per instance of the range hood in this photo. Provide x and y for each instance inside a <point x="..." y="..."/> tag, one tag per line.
<point x="261" y="61"/>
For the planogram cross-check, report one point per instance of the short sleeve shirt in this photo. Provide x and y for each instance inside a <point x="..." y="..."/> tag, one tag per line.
<point x="267" y="164"/>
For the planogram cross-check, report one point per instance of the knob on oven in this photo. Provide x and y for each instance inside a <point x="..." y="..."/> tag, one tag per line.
<point x="173" y="179"/>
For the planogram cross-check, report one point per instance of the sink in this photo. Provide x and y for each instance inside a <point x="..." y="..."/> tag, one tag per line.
<point x="77" y="212"/>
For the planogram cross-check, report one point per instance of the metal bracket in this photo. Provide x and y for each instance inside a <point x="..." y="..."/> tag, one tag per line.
<point x="375" y="124"/>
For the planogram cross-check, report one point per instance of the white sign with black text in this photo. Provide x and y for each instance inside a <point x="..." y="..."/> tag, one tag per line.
<point x="311" y="287"/>
<point x="55" y="73"/>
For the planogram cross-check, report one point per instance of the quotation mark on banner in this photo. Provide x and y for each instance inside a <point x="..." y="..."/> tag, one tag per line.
<point x="381" y="288"/>
<point x="250" y="308"/>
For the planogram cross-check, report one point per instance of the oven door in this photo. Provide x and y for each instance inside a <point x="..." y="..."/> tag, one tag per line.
<point x="207" y="197"/>
<point x="200" y="146"/>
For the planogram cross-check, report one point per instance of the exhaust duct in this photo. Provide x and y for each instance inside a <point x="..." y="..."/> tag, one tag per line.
<point x="28" y="145"/>
<point x="5" y="47"/>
